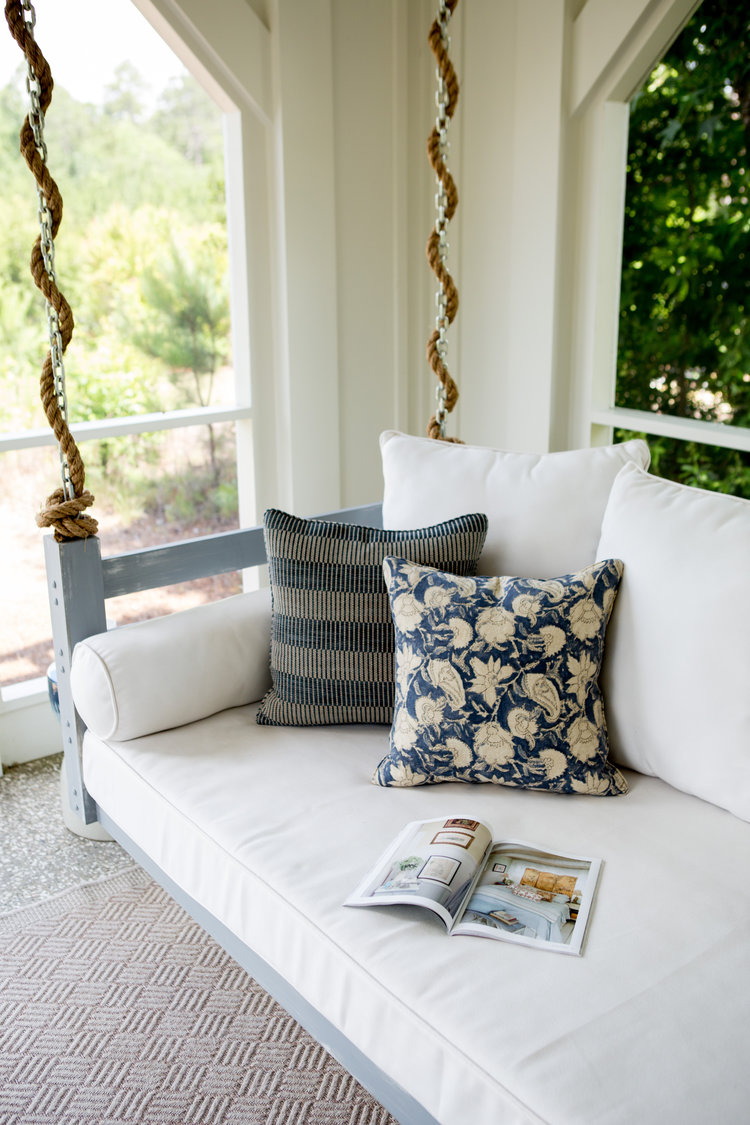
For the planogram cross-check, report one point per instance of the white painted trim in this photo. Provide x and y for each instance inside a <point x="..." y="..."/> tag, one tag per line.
<point x="246" y="161"/>
<point x="136" y="424"/>
<point x="611" y="132"/>
<point x="308" y="430"/>
<point x="665" y="425"/>
<point x="615" y="43"/>
<point x="613" y="46"/>
<point x="224" y="45"/>
<point x="231" y="50"/>
<point x="28" y="727"/>
<point x="23" y="694"/>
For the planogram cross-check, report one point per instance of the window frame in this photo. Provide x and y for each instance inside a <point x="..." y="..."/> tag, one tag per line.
<point x="612" y="50"/>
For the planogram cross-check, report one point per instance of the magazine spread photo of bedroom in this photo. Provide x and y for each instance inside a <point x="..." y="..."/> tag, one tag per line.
<point x="509" y="891"/>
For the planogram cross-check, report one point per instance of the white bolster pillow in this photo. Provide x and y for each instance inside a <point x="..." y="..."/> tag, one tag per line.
<point x="172" y="670"/>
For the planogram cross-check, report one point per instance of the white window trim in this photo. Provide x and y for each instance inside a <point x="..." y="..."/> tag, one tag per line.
<point x="667" y="425"/>
<point x="134" y="424"/>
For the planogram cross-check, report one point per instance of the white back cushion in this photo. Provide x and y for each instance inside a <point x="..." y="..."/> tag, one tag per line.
<point x="676" y="674"/>
<point x="545" y="510"/>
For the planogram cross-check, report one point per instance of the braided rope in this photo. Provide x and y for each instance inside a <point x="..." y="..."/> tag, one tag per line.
<point x="62" y="513"/>
<point x="435" y="350"/>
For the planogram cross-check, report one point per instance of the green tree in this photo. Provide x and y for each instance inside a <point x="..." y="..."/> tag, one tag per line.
<point x="143" y="206"/>
<point x="685" y="301"/>
<point x="124" y="95"/>
<point x="186" y="117"/>
<point x="188" y="317"/>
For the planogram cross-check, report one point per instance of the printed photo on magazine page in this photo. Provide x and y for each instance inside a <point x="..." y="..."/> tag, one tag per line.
<point x="505" y="890"/>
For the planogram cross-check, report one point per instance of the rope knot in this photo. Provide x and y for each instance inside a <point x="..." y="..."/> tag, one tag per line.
<point x="66" y="517"/>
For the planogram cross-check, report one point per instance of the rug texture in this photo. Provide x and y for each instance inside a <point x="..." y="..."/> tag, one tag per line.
<point x="116" y="1008"/>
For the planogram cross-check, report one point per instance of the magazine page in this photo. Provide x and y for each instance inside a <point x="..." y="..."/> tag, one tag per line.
<point x="432" y="863"/>
<point x="532" y="897"/>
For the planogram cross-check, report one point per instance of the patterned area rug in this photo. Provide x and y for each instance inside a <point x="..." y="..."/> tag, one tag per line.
<point x="116" y="1008"/>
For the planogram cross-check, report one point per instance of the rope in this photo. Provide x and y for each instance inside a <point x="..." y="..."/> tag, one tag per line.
<point x="61" y="512"/>
<point x="448" y="298"/>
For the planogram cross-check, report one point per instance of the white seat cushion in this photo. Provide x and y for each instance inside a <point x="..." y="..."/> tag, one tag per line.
<point x="544" y="510"/>
<point x="676" y="674"/>
<point x="270" y="828"/>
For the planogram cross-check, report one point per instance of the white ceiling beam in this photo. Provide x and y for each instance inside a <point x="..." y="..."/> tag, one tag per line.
<point x="224" y="44"/>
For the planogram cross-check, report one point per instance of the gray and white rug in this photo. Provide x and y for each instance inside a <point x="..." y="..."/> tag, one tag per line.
<point x="117" y="1009"/>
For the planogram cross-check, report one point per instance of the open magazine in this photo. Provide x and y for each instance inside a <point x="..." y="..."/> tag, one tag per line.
<point x="481" y="887"/>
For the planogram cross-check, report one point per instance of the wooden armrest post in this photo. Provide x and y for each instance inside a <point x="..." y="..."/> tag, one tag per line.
<point x="76" y="599"/>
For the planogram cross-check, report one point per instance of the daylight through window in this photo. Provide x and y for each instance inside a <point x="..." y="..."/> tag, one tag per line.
<point x="684" y="345"/>
<point x="136" y="148"/>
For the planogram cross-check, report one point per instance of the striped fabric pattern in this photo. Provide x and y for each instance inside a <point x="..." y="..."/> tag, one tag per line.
<point x="332" y="638"/>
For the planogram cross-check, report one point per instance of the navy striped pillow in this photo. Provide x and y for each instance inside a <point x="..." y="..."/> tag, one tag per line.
<point x="332" y="637"/>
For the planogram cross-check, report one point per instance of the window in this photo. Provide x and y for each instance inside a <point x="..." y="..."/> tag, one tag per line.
<point x="142" y="258"/>
<point x="684" y="344"/>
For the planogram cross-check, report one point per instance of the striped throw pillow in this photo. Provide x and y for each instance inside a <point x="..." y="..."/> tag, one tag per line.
<point x="332" y="637"/>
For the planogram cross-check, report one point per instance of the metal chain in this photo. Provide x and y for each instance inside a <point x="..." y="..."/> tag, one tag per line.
<point x="47" y="245"/>
<point x="442" y="99"/>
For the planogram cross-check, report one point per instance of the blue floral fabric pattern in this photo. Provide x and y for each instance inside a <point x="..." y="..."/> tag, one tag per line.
<point x="497" y="679"/>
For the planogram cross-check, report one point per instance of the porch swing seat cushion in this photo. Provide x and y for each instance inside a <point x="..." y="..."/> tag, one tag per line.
<point x="269" y="828"/>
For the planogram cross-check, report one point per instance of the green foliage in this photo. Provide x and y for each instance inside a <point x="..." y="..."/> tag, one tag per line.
<point x="142" y="258"/>
<point x="185" y="119"/>
<point x="124" y="95"/>
<point x="174" y="488"/>
<point x="685" y="300"/>
<point x="188" y="303"/>
<point x="704" y="466"/>
<point x="102" y="160"/>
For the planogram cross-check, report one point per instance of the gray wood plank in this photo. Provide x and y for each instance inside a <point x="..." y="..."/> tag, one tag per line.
<point x="152" y="567"/>
<point x="76" y="598"/>
<point x="181" y="562"/>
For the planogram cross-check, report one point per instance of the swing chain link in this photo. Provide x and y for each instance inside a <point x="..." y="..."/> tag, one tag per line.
<point x="442" y="204"/>
<point x="442" y="99"/>
<point x="47" y="245"/>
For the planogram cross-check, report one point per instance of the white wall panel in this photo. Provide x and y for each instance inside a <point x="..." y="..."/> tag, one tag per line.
<point x="304" y="190"/>
<point x="484" y="222"/>
<point x="369" y="127"/>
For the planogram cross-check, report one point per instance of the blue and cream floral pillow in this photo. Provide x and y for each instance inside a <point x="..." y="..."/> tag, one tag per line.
<point x="497" y="679"/>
